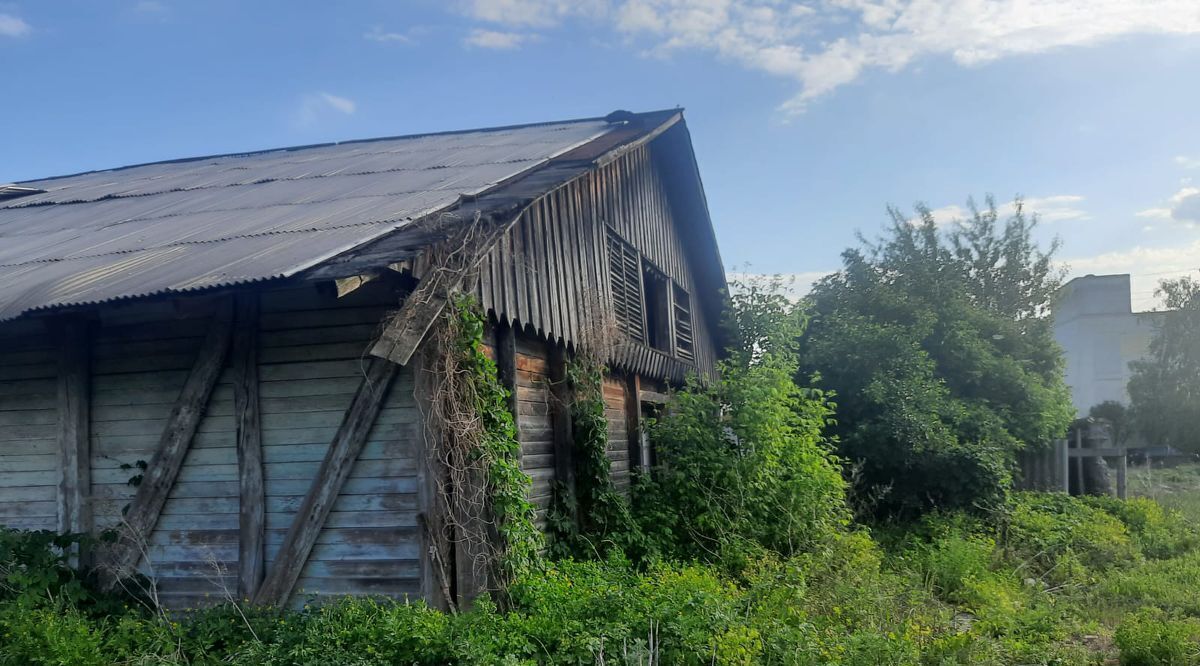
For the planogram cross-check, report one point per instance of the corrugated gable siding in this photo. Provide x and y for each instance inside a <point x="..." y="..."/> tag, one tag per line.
<point x="28" y="428"/>
<point x="615" y="405"/>
<point x="535" y="421"/>
<point x="550" y="270"/>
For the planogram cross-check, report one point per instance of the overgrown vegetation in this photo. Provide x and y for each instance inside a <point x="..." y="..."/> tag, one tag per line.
<point x="739" y="547"/>
<point x="937" y="345"/>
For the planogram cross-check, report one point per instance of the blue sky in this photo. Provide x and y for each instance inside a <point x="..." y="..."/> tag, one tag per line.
<point x="808" y="118"/>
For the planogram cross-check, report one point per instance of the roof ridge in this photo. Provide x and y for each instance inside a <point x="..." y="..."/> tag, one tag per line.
<point x="264" y="151"/>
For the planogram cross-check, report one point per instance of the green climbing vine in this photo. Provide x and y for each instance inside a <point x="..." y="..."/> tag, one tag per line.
<point x="478" y="425"/>
<point x="596" y="516"/>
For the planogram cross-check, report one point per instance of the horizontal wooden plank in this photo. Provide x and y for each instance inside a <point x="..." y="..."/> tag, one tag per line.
<point x="29" y="447"/>
<point x="25" y="479"/>
<point x="338" y="587"/>
<point x="15" y="509"/>
<point x="303" y="319"/>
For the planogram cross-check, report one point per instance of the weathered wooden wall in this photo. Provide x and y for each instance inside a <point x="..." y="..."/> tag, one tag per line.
<point x="28" y="426"/>
<point x="616" y="403"/>
<point x="310" y="361"/>
<point x="535" y="425"/>
<point x="550" y="271"/>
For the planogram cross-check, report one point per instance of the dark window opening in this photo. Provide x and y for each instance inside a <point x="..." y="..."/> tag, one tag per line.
<point x="684" y="339"/>
<point x="657" y="288"/>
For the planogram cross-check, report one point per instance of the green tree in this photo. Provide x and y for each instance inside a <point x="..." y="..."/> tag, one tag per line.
<point x="939" y="348"/>
<point x="1117" y="416"/>
<point x="1164" y="389"/>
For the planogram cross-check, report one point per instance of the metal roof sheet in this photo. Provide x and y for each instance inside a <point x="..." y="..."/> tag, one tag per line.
<point x="217" y="221"/>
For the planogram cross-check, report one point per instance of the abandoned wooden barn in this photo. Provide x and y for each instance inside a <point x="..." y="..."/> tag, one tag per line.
<point x="221" y="356"/>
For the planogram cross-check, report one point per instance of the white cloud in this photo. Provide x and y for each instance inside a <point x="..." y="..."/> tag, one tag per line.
<point x="314" y="107"/>
<point x="1055" y="208"/>
<point x="13" y="26"/>
<point x="535" y="13"/>
<point x="825" y="44"/>
<point x="494" y="39"/>
<point x="378" y="34"/>
<point x="1183" y="207"/>
<point x="1187" y="162"/>
<point x="1146" y="266"/>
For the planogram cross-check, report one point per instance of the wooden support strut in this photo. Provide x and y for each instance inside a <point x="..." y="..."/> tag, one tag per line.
<point x="173" y="445"/>
<point x="560" y="403"/>
<point x="251" y="495"/>
<point x="633" y="422"/>
<point x="343" y="451"/>
<point x="74" y="457"/>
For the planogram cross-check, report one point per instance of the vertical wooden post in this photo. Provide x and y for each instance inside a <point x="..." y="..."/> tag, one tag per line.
<point x="1122" y="470"/>
<point x="251" y="502"/>
<point x="437" y="552"/>
<point x="560" y="403"/>
<point x="633" y="420"/>
<point x="74" y="449"/>
<point x="1064" y="464"/>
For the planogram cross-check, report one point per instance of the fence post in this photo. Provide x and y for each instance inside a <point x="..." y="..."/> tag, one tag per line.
<point x="1122" y="467"/>
<point x="1063" y="464"/>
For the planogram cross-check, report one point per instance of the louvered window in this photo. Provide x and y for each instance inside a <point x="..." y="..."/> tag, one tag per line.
<point x="684" y="340"/>
<point x="624" y="267"/>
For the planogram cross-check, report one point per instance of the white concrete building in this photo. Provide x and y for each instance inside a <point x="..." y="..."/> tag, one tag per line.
<point x="1100" y="335"/>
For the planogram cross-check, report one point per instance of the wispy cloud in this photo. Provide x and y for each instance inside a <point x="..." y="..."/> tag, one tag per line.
<point x="533" y="13"/>
<point x="826" y="44"/>
<point x="13" y="26"/>
<point x="1187" y="162"/>
<point x="378" y="34"/>
<point x="494" y="39"/>
<point x="150" y="7"/>
<point x="318" y="105"/>
<point x="1054" y="208"/>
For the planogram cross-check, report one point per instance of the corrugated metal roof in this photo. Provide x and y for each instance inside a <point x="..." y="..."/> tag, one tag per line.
<point x="218" y="221"/>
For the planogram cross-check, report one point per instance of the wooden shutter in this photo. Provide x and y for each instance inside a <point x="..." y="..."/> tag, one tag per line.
<point x="684" y="340"/>
<point x="626" y="281"/>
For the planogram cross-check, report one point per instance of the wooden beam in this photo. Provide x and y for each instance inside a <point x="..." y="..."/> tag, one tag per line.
<point x="173" y="445"/>
<point x="407" y="328"/>
<point x="343" y="451"/>
<point x="251" y="496"/>
<point x="560" y="405"/>
<point x="654" y="397"/>
<point x="437" y="552"/>
<point x="74" y="449"/>
<point x="633" y="421"/>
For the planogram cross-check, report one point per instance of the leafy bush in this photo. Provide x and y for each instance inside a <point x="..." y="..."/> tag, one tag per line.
<point x="742" y="462"/>
<point x="1062" y="537"/>
<point x="1151" y="638"/>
